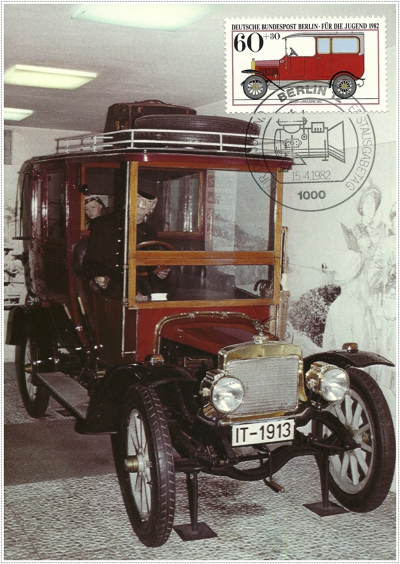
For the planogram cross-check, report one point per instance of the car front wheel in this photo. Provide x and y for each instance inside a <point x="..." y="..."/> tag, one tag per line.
<point x="360" y="479"/>
<point x="145" y="466"/>
<point x="255" y="87"/>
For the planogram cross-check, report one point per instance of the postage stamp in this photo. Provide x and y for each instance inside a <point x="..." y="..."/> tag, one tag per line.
<point x="305" y="62"/>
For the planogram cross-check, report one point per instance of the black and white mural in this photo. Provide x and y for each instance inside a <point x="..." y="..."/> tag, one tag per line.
<point x="355" y="299"/>
<point x="14" y="278"/>
<point x="365" y="309"/>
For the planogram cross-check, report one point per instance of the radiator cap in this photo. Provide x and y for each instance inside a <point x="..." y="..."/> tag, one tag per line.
<point x="350" y="347"/>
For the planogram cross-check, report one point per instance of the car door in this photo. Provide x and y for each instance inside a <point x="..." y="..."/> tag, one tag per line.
<point x="53" y="219"/>
<point x="105" y="183"/>
<point x="324" y="58"/>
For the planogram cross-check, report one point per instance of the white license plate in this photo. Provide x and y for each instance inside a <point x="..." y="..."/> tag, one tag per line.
<point x="272" y="431"/>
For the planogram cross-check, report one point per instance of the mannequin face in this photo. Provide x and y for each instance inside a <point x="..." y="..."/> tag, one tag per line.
<point x="93" y="209"/>
<point x="144" y="207"/>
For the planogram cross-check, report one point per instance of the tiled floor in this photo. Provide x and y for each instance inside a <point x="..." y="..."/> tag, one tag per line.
<point x="79" y="515"/>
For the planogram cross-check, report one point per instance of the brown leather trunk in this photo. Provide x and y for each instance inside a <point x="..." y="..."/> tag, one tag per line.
<point x="123" y="115"/>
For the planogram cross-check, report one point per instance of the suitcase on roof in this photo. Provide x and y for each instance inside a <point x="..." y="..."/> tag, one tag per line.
<point x="123" y="115"/>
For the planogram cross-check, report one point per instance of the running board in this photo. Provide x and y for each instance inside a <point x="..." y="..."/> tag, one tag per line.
<point x="68" y="391"/>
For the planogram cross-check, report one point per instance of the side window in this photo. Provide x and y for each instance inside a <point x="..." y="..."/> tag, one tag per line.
<point x="323" y="45"/>
<point x="303" y="46"/>
<point x="36" y="209"/>
<point x="105" y="192"/>
<point x="345" y="45"/>
<point x="178" y="212"/>
<point x="179" y="201"/>
<point x="56" y="204"/>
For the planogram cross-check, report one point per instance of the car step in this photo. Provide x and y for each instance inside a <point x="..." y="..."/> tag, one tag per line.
<point x="68" y="391"/>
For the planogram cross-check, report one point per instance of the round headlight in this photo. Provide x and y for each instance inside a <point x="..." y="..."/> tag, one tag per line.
<point x="335" y="383"/>
<point x="227" y="394"/>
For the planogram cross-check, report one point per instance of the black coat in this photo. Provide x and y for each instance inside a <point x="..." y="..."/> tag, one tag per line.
<point x="104" y="255"/>
<point x="104" y="252"/>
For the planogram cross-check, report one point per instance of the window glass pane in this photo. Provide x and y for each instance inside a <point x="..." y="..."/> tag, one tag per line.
<point x="220" y="210"/>
<point x="228" y="282"/>
<point x="106" y="191"/>
<point x="36" y="209"/>
<point x="345" y="45"/>
<point x="178" y="195"/>
<point x="323" y="45"/>
<point x="238" y="213"/>
<point x="301" y="46"/>
<point x="56" y="204"/>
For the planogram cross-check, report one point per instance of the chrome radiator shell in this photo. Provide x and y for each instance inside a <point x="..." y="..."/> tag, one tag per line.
<point x="272" y="376"/>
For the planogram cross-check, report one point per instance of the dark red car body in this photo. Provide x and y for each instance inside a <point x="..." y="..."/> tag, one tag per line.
<point x="332" y="56"/>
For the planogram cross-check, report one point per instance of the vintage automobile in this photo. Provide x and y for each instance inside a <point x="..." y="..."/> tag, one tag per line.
<point x="337" y="58"/>
<point x="195" y="375"/>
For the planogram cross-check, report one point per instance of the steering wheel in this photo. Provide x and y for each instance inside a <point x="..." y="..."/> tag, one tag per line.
<point x="166" y="246"/>
<point x="292" y="52"/>
<point x="144" y="244"/>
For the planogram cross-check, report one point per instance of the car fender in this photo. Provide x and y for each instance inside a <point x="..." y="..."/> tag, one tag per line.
<point x="344" y="359"/>
<point x="251" y="71"/>
<point x="16" y="325"/>
<point x="344" y="72"/>
<point x="32" y="320"/>
<point x="172" y="383"/>
<point x="256" y="73"/>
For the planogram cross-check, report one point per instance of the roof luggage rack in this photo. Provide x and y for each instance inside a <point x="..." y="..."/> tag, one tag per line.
<point x="166" y="139"/>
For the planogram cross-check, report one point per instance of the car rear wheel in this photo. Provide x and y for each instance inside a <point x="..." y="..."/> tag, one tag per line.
<point x="255" y="87"/>
<point x="35" y="395"/>
<point x="344" y="86"/>
<point x="360" y="479"/>
<point x="145" y="466"/>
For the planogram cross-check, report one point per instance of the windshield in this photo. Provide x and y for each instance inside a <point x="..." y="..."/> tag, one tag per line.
<point x="221" y="210"/>
<point x="212" y="231"/>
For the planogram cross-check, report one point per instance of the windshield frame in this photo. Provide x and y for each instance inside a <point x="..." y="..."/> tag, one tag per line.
<point x="141" y="258"/>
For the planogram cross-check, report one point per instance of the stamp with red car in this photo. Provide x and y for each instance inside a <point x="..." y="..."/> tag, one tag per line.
<point x="306" y="63"/>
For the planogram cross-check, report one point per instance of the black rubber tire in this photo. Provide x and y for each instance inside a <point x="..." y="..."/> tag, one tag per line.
<point x="344" y="86"/>
<point x="152" y="520"/>
<point x="366" y="414"/>
<point x="255" y="87"/>
<point x="35" y="395"/>
<point x="184" y="124"/>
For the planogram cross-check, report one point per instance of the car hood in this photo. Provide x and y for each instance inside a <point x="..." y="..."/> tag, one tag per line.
<point x="268" y="63"/>
<point x="209" y="333"/>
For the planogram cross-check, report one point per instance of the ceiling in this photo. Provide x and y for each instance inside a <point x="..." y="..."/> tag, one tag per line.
<point x="184" y="67"/>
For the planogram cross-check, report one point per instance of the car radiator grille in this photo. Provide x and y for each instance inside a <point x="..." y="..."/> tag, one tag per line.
<point x="270" y="384"/>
